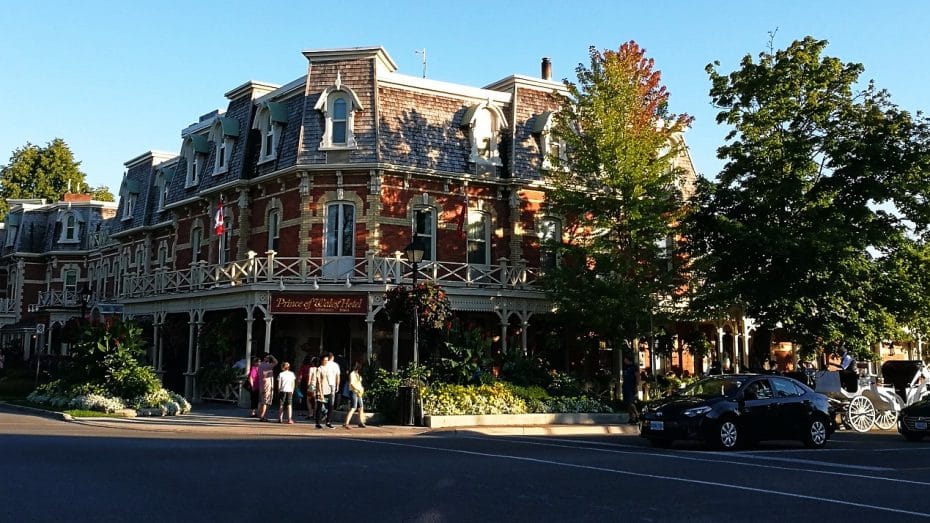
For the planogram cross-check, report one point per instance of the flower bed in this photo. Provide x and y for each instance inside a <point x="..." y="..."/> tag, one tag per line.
<point x="442" y="399"/>
<point x="159" y="403"/>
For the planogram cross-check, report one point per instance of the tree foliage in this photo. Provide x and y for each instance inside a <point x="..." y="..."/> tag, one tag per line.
<point x="44" y="172"/>
<point x="617" y="193"/>
<point x="820" y="211"/>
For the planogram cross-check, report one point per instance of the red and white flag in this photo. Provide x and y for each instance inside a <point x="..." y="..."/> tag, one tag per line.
<point x="218" y="225"/>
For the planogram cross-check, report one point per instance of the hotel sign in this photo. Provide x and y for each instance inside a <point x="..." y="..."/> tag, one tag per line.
<point x="319" y="304"/>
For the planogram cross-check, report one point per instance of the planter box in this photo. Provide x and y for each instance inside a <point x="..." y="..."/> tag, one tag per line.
<point x="483" y="420"/>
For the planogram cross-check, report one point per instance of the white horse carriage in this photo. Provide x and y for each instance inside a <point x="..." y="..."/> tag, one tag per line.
<point x="864" y="401"/>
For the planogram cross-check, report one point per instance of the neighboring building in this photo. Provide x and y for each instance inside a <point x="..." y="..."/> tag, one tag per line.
<point x="320" y="184"/>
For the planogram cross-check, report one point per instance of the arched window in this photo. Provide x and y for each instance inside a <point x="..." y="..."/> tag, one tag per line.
<point x="338" y="105"/>
<point x="340" y="229"/>
<point x="224" y="131"/>
<point x="70" y="228"/>
<point x="270" y="117"/>
<point x="196" y="242"/>
<point x="273" y="220"/>
<point x="479" y="238"/>
<point x="550" y="234"/>
<point x="483" y="123"/>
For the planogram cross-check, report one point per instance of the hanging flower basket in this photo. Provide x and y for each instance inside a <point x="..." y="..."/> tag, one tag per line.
<point x="433" y="305"/>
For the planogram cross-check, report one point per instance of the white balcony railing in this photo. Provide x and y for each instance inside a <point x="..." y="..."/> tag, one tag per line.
<point x="370" y="269"/>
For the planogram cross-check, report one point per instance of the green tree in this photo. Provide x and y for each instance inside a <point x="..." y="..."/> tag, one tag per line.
<point x="617" y="191"/>
<point x="102" y="193"/>
<point x="42" y="172"/>
<point x="823" y="191"/>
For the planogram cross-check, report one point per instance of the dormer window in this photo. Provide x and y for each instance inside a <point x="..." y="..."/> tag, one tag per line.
<point x="551" y="148"/>
<point x="70" y="228"/>
<point x="338" y="105"/>
<point x="129" y="195"/>
<point x="224" y="131"/>
<point x="196" y="241"/>
<point x="195" y="148"/>
<point x="163" y="183"/>
<point x="12" y="228"/>
<point x="269" y="120"/>
<point x="483" y="123"/>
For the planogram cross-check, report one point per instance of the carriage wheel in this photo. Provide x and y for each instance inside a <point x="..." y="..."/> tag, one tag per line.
<point x="886" y="419"/>
<point x="861" y="414"/>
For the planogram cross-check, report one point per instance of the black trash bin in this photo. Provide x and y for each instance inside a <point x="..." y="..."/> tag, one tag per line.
<point x="406" y="397"/>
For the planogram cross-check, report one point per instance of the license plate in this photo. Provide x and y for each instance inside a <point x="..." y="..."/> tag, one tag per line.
<point x="660" y="425"/>
<point x="919" y="425"/>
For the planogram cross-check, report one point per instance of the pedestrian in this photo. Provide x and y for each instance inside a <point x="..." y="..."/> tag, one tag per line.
<point x="356" y="391"/>
<point x="266" y="374"/>
<point x="631" y="379"/>
<point x="328" y="388"/>
<point x="313" y="383"/>
<point x="301" y="394"/>
<point x="286" y="383"/>
<point x="255" y="383"/>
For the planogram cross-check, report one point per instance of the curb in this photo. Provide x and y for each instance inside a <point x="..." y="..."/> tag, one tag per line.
<point x="51" y="414"/>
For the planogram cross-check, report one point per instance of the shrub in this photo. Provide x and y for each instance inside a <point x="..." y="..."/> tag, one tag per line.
<point x="521" y="369"/>
<point x="443" y="399"/>
<point x="465" y="358"/>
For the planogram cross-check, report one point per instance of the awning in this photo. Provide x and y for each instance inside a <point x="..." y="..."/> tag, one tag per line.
<point x="167" y="173"/>
<point x="200" y="143"/>
<point x="130" y="186"/>
<point x="14" y="219"/>
<point x="230" y="126"/>
<point x="540" y="121"/>
<point x="278" y="111"/>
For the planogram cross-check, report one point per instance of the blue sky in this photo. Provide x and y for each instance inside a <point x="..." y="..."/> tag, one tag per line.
<point x="116" y="79"/>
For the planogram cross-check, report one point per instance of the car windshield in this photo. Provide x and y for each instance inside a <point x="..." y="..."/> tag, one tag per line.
<point x="712" y="387"/>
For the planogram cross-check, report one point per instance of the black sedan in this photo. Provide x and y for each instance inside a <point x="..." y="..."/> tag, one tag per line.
<point x="735" y="410"/>
<point x="914" y="421"/>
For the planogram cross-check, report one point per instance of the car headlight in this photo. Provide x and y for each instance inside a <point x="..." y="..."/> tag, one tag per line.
<point x="696" y="411"/>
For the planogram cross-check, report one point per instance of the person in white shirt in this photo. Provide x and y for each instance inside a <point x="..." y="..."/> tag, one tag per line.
<point x="328" y="380"/>
<point x="286" y="382"/>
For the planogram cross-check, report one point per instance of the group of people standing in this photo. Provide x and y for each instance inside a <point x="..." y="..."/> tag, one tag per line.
<point x="318" y="381"/>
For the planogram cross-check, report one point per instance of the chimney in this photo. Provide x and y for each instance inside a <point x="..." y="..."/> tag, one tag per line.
<point x="546" y="68"/>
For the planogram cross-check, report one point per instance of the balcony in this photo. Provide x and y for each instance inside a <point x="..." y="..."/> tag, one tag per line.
<point x="61" y="299"/>
<point x="272" y="269"/>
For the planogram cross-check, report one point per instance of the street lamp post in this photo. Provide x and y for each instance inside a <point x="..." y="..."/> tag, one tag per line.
<point x="414" y="253"/>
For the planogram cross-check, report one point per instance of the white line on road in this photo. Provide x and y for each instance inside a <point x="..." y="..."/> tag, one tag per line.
<point x="651" y="476"/>
<point x="717" y="461"/>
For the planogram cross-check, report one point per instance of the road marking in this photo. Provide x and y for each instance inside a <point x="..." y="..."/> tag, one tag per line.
<point x="650" y="476"/>
<point x="719" y="461"/>
<point x="810" y="462"/>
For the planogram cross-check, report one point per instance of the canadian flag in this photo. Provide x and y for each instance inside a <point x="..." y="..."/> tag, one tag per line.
<point x="218" y="225"/>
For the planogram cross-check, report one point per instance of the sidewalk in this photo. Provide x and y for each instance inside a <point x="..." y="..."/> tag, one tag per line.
<point x="229" y="420"/>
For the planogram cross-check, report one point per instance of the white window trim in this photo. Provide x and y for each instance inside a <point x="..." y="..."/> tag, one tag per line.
<point x="487" y="235"/>
<point x="196" y="232"/>
<point x="265" y="126"/>
<point x="222" y="149"/>
<point x="64" y="237"/>
<point x="547" y="142"/>
<point x="432" y="237"/>
<point x="498" y="123"/>
<point x="273" y="238"/>
<point x="340" y="226"/>
<point x="131" y="200"/>
<point x="325" y="105"/>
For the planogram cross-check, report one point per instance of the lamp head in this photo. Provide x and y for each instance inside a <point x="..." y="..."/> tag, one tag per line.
<point x="415" y="251"/>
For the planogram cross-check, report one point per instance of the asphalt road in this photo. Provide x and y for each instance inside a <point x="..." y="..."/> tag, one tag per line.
<point x="59" y="471"/>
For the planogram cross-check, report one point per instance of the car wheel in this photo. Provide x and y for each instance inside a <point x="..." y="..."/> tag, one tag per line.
<point x="816" y="435"/>
<point x="727" y="435"/>
<point x="660" y="443"/>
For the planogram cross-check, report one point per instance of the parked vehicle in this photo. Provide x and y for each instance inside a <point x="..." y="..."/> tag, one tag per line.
<point x="914" y="421"/>
<point x="866" y="402"/>
<point x="732" y="411"/>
